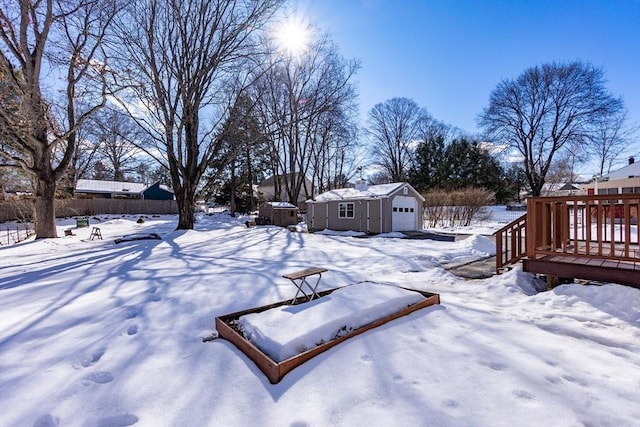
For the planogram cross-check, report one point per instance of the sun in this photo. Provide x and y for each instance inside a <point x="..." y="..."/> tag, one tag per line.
<point x="293" y="36"/>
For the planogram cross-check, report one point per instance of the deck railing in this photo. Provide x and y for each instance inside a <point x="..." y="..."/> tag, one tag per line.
<point x="602" y="226"/>
<point x="510" y="243"/>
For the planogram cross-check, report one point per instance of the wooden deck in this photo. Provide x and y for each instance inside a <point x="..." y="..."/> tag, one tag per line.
<point x="572" y="267"/>
<point x="585" y="237"/>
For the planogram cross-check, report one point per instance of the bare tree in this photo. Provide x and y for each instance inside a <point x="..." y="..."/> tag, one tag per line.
<point x="184" y="63"/>
<point x="306" y="105"/>
<point x="118" y="138"/>
<point x="62" y="39"/>
<point x="610" y="139"/>
<point x="546" y="110"/>
<point x="336" y="156"/>
<point x="83" y="160"/>
<point x="394" y="128"/>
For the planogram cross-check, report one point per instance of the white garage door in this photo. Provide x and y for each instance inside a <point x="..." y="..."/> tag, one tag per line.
<point x="404" y="213"/>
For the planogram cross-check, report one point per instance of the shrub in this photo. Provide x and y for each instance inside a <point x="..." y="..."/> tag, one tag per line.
<point x="455" y="208"/>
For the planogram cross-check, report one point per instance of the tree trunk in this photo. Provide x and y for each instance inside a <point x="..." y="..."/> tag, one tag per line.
<point x="252" y="206"/>
<point x="186" y="209"/>
<point x="232" y="193"/>
<point x="45" y="217"/>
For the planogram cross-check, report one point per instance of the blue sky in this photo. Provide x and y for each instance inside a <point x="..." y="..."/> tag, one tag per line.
<point x="449" y="55"/>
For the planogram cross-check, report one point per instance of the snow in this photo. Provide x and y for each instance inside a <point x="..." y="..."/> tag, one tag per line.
<point x="98" y="334"/>
<point x="371" y="191"/>
<point x="282" y="205"/>
<point x="348" y="233"/>
<point x="286" y="331"/>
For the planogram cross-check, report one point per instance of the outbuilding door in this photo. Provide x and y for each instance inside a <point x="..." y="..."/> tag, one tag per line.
<point x="403" y="213"/>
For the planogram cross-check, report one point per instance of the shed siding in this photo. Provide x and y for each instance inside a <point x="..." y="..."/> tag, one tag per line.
<point x="375" y="215"/>
<point x="318" y="216"/>
<point x="156" y="193"/>
<point x="280" y="216"/>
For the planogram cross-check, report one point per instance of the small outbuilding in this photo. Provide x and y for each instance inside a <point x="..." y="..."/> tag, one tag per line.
<point x="280" y="213"/>
<point x="371" y="209"/>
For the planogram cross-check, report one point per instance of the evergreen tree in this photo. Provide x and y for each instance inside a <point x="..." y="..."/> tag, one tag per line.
<point x="428" y="169"/>
<point x="462" y="163"/>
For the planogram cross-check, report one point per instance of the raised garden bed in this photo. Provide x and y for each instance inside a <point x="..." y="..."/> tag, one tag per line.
<point x="230" y="327"/>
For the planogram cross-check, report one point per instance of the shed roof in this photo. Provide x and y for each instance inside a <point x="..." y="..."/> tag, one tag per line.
<point x="96" y="186"/>
<point x="282" y="205"/>
<point x="372" y="191"/>
<point x="99" y="186"/>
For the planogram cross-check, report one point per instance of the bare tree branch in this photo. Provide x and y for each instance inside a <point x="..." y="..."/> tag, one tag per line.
<point x="547" y="110"/>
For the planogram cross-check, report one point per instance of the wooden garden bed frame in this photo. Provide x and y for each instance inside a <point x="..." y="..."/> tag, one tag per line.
<point x="275" y="371"/>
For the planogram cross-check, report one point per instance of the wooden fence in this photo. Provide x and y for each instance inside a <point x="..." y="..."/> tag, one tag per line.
<point x="22" y="210"/>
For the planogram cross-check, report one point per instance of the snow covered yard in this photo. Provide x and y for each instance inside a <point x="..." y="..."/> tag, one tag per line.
<point x="94" y="333"/>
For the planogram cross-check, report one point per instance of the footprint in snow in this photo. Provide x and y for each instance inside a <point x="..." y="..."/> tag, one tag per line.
<point x="46" y="420"/>
<point x="131" y="313"/>
<point x="553" y="380"/>
<point x="95" y="358"/>
<point x="100" y="377"/>
<point x="575" y="380"/>
<point x="450" y="403"/>
<point x="496" y="366"/>
<point x="133" y="329"/>
<point x="523" y="395"/>
<point x="118" y="420"/>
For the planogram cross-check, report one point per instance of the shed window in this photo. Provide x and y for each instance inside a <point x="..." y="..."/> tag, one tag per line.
<point x="346" y="210"/>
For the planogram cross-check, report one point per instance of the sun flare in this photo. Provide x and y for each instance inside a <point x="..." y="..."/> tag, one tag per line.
<point x="293" y="36"/>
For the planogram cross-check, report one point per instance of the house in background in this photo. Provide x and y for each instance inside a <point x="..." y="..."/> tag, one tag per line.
<point x="267" y="188"/>
<point x="560" y="189"/>
<point x="95" y="189"/>
<point x="280" y="213"/>
<point x="371" y="209"/>
<point x="625" y="180"/>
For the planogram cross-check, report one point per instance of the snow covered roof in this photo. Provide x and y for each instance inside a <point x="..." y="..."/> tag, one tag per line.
<point x="372" y="191"/>
<point x="99" y="186"/>
<point x="96" y="186"/>
<point x="630" y="171"/>
<point x="282" y="205"/>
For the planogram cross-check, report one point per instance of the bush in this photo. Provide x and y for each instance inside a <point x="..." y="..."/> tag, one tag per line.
<point x="455" y="208"/>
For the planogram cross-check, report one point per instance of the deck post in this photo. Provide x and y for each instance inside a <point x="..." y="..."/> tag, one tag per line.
<point x="534" y="232"/>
